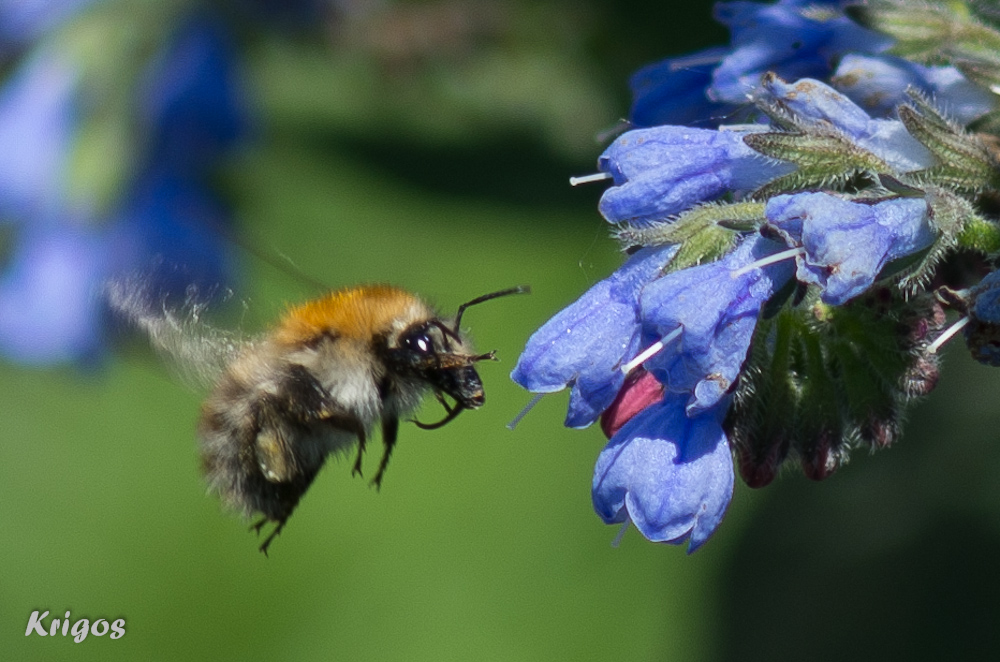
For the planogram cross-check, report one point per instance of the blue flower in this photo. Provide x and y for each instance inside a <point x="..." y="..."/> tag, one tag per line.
<point x="982" y="332"/>
<point x="192" y="105"/>
<point x="669" y="473"/>
<point x="38" y="118"/>
<point x="793" y="38"/>
<point x="49" y="293"/>
<point x="673" y="91"/>
<point x="706" y="366"/>
<point x="23" y="20"/>
<point x="879" y="85"/>
<point x="585" y="344"/>
<point x="170" y="229"/>
<point x="812" y="103"/>
<point x="717" y="314"/>
<point x="846" y="244"/>
<point x="664" y="170"/>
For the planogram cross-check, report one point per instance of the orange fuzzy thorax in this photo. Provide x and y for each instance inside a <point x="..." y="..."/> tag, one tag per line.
<point x="358" y="312"/>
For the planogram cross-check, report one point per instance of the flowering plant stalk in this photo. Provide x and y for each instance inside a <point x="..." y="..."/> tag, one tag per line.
<point x="792" y="208"/>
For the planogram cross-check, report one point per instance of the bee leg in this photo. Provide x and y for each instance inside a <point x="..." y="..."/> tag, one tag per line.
<point x="452" y="414"/>
<point x="350" y="424"/>
<point x="450" y="411"/>
<point x="390" y="431"/>
<point x="278" y="501"/>
<point x="271" y="536"/>
<point x="356" y="471"/>
<point x="258" y="525"/>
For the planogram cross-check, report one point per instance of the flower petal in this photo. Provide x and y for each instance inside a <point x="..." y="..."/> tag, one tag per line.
<point x="664" y="170"/>
<point x="37" y="119"/>
<point x="879" y="84"/>
<point x="673" y="91"/>
<point x="848" y="243"/>
<point x="671" y="475"/>
<point x="791" y="38"/>
<point x="48" y="296"/>
<point x="718" y="314"/>
<point x="584" y="345"/>
<point x="814" y="103"/>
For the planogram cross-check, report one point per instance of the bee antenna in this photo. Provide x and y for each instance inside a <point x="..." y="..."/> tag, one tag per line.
<point x="448" y="333"/>
<point x="520" y="289"/>
<point x="274" y="259"/>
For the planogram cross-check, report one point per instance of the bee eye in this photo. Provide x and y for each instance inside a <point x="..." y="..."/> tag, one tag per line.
<point x="418" y="341"/>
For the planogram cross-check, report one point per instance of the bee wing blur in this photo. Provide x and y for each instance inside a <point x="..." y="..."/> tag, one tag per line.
<point x="200" y="352"/>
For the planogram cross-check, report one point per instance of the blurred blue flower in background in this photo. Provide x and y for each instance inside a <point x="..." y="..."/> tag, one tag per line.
<point x="47" y="307"/>
<point x="186" y="108"/>
<point x="191" y="105"/>
<point x="172" y="227"/>
<point x="38" y="116"/>
<point x="24" y="20"/>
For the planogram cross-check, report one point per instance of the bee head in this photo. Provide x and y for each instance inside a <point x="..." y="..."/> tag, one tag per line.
<point x="434" y="353"/>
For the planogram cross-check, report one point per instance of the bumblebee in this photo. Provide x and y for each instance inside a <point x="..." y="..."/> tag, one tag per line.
<point x="318" y="384"/>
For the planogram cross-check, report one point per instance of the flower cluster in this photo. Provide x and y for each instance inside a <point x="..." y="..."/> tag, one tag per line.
<point x="784" y="296"/>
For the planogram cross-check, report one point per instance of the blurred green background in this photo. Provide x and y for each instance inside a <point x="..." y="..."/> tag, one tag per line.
<point x="482" y="544"/>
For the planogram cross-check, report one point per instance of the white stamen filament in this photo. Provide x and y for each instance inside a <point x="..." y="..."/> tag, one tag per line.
<point x="946" y="336"/>
<point x="770" y="259"/>
<point x="621" y="532"/>
<point x="586" y="179"/>
<point x="524" y="412"/>
<point x="744" y="128"/>
<point x="695" y="60"/>
<point x="652" y="350"/>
